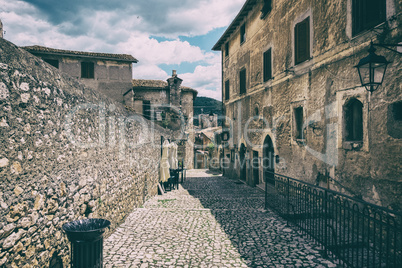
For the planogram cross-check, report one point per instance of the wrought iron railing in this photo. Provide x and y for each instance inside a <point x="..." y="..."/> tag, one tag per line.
<point x="357" y="233"/>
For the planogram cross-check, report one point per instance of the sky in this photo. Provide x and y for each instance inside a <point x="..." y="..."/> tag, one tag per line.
<point x="164" y="35"/>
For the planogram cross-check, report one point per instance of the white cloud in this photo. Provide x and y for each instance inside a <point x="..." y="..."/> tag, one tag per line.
<point x="127" y="28"/>
<point x="205" y="79"/>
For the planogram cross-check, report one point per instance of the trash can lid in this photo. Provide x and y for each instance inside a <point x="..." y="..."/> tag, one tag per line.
<point x="85" y="225"/>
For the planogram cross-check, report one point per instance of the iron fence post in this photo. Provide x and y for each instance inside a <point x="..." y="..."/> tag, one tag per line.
<point x="288" y="198"/>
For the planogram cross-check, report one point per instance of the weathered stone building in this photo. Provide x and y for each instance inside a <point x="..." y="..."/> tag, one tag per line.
<point x="108" y="73"/>
<point x="67" y="152"/>
<point x="166" y="102"/>
<point x="293" y="97"/>
<point x="207" y="120"/>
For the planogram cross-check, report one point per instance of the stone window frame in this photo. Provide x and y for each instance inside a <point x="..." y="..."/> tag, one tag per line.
<point x="298" y="105"/>
<point x="307" y="14"/>
<point x="343" y="97"/>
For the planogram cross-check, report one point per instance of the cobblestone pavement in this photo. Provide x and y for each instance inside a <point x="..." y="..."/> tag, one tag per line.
<point x="211" y="221"/>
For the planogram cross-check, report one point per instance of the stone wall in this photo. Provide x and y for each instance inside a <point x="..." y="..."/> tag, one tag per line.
<point x="66" y="153"/>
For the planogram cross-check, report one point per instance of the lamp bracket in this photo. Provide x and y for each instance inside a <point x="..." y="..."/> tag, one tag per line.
<point x="387" y="46"/>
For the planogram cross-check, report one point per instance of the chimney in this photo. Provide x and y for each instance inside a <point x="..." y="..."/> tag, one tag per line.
<point x="1" y="29"/>
<point x="174" y="84"/>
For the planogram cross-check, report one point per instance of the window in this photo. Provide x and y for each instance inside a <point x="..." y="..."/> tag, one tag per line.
<point x="146" y="109"/>
<point x="243" y="89"/>
<point x="87" y="70"/>
<point x="394" y="124"/>
<point x="227" y="92"/>
<point x="366" y="14"/>
<point x="302" y="41"/>
<point x="397" y="111"/>
<point x="227" y="49"/>
<point x="54" y="63"/>
<point x="267" y="58"/>
<point x="298" y="113"/>
<point x="353" y="115"/>
<point x="267" y="7"/>
<point x="242" y="33"/>
<point x="256" y="111"/>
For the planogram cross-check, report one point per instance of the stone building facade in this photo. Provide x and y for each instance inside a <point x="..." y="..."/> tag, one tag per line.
<point x="108" y="73"/>
<point x="207" y="120"/>
<point x="294" y="102"/>
<point x="168" y="102"/>
<point x="67" y="152"/>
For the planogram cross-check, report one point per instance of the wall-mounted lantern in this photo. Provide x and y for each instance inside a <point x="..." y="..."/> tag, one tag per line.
<point x="372" y="68"/>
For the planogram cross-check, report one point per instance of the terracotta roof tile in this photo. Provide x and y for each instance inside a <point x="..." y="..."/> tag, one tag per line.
<point x="48" y="50"/>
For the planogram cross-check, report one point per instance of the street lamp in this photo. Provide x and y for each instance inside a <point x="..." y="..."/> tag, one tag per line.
<point x="372" y="68"/>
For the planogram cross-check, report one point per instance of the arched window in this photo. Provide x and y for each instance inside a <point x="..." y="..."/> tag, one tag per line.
<point x="353" y="115"/>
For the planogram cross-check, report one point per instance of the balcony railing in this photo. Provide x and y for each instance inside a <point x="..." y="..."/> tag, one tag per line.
<point x="357" y="233"/>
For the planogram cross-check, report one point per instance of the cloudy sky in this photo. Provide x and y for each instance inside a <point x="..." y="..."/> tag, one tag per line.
<point x="162" y="34"/>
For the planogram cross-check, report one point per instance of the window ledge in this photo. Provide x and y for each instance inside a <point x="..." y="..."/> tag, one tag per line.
<point x="352" y="145"/>
<point x="300" y="141"/>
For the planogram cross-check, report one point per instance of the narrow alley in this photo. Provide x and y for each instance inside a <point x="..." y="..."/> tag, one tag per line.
<point x="211" y="221"/>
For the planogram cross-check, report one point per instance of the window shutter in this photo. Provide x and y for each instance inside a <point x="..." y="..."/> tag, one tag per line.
<point x="267" y="65"/>
<point x="227" y="90"/>
<point x="302" y="41"/>
<point x="243" y="81"/>
<point x="367" y="14"/>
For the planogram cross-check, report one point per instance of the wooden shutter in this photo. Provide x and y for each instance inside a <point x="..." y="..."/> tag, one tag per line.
<point x="302" y="41"/>
<point x="243" y="81"/>
<point x="366" y="14"/>
<point x="267" y="65"/>
<point x="227" y="90"/>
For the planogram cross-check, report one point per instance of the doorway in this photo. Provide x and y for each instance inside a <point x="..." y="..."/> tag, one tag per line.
<point x="268" y="161"/>
<point x="243" y="171"/>
<point x="256" y="168"/>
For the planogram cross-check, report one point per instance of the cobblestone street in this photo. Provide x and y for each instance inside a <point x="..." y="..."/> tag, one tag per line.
<point x="211" y="221"/>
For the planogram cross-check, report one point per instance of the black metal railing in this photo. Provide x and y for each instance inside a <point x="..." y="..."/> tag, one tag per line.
<point x="357" y="233"/>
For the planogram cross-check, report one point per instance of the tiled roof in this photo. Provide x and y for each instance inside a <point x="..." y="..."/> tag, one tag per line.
<point x="149" y="83"/>
<point x="108" y="56"/>
<point x="157" y="84"/>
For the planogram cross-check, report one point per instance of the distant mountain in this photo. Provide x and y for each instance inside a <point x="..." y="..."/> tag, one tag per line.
<point x="204" y="105"/>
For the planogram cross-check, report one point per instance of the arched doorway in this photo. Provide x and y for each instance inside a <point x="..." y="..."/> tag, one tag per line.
<point x="243" y="171"/>
<point x="268" y="161"/>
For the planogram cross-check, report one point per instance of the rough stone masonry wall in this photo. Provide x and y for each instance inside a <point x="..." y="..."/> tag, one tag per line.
<point x="66" y="153"/>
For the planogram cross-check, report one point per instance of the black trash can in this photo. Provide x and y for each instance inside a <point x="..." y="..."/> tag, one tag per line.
<point x="86" y="237"/>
